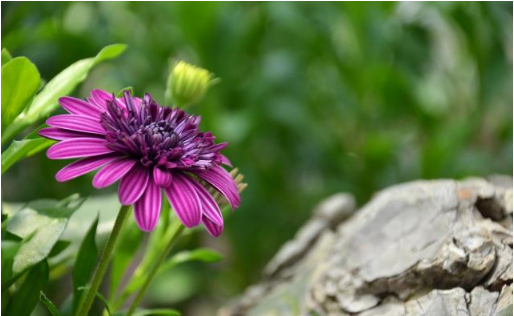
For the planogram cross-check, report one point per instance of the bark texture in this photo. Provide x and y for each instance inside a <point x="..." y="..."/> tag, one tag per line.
<point x="439" y="248"/>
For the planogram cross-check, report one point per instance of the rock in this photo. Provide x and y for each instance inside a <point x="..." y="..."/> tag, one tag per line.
<point x="422" y="248"/>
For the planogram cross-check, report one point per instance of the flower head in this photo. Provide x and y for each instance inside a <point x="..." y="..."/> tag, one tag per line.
<point x="149" y="149"/>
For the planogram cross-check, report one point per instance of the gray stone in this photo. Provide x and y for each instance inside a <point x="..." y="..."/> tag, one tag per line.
<point x="438" y="247"/>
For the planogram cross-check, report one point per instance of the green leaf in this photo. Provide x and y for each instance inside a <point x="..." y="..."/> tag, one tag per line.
<point x="200" y="254"/>
<point x="18" y="150"/>
<point x="85" y="263"/>
<point x="9" y="250"/>
<point x="43" y="221"/>
<point x="156" y="312"/>
<point x="151" y="312"/>
<point x="59" y="247"/>
<point x="48" y="303"/>
<point x="100" y="297"/>
<point x="6" y="56"/>
<point x="20" y="82"/>
<point x="62" y="84"/>
<point x="26" y="298"/>
<point x="120" y="93"/>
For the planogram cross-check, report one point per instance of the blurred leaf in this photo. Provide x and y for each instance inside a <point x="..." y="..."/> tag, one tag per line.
<point x="125" y="250"/>
<point x="27" y="147"/>
<point x="48" y="303"/>
<point x="62" y="84"/>
<point x="20" y="81"/>
<point x="100" y="297"/>
<point x="6" y="56"/>
<point x="9" y="250"/>
<point x="59" y="247"/>
<point x="200" y="254"/>
<point x="26" y="297"/>
<point x="152" y="312"/>
<point x="120" y="93"/>
<point x="85" y="263"/>
<point x="43" y="221"/>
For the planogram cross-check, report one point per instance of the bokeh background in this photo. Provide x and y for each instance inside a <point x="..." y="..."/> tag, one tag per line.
<point x="315" y="98"/>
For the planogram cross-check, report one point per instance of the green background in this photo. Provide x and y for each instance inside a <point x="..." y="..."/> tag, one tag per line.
<point x="314" y="99"/>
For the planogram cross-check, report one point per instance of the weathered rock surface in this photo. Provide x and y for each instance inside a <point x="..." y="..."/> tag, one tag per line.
<point x="437" y="248"/>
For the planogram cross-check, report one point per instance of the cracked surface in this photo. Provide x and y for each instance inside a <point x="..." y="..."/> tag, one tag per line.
<point x="422" y="248"/>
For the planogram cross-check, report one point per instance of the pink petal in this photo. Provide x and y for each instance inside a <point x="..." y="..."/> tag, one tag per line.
<point x="133" y="184"/>
<point x="210" y="208"/>
<point x="100" y="98"/>
<point x="78" y="148"/>
<point x="80" y="107"/>
<point x="113" y="172"/>
<point x="82" y="166"/>
<point x="61" y="134"/>
<point x="184" y="200"/>
<point x="213" y="229"/>
<point x="162" y="177"/>
<point x="220" y="179"/>
<point x="76" y="123"/>
<point x="225" y="160"/>
<point x="148" y="208"/>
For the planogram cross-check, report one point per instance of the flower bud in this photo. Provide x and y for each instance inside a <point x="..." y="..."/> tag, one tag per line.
<point x="187" y="84"/>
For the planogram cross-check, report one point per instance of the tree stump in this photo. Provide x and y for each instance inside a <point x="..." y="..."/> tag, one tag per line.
<point x="438" y="248"/>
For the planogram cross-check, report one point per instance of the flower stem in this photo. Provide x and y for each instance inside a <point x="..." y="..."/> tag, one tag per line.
<point x="104" y="262"/>
<point x="175" y="229"/>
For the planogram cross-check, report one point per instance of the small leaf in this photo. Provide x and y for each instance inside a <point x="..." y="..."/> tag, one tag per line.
<point x="63" y="84"/>
<point x="59" y="247"/>
<point x="44" y="221"/>
<point x="26" y="298"/>
<point x="6" y="56"/>
<point x="9" y="250"/>
<point x="18" y="150"/>
<point x="201" y="254"/>
<point x="20" y="81"/>
<point x="48" y="303"/>
<point x="151" y="312"/>
<point x="98" y="296"/>
<point x="156" y="312"/>
<point x="85" y="263"/>
<point x="120" y="93"/>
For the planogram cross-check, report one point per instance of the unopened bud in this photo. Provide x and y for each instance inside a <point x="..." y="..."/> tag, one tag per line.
<point x="187" y="84"/>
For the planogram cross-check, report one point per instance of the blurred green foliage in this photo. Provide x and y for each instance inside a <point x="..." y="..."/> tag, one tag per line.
<point x="315" y="98"/>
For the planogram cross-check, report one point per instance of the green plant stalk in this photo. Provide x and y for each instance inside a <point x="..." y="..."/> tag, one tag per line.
<point x="87" y="302"/>
<point x="176" y="229"/>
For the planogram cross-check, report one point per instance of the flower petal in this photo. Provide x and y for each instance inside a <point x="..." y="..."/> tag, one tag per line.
<point x="148" y="208"/>
<point x="162" y="177"/>
<point x="220" y="179"/>
<point x="133" y="184"/>
<point x="225" y="160"/>
<point x="76" y="123"/>
<point x="113" y="172"/>
<point x="213" y="229"/>
<point x="184" y="200"/>
<point x="82" y="166"/>
<point x="80" y="107"/>
<point x="210" y="208"/>
<point x="61" y="134"/>
<point x="78" y="148"/>
<point x="100" y="98"/>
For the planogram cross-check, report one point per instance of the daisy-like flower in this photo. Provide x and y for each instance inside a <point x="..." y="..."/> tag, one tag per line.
<point x="149" y="149"/>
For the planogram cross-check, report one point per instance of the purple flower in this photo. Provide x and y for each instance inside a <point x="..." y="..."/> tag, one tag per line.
<point x="147" y="148"/>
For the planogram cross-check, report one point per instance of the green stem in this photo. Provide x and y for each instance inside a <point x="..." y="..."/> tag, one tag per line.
<point x="176" y="229"/>
<point x="104" y="262"/>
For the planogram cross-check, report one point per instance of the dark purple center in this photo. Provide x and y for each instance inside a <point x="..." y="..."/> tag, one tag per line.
<point x="158" y="135"/>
